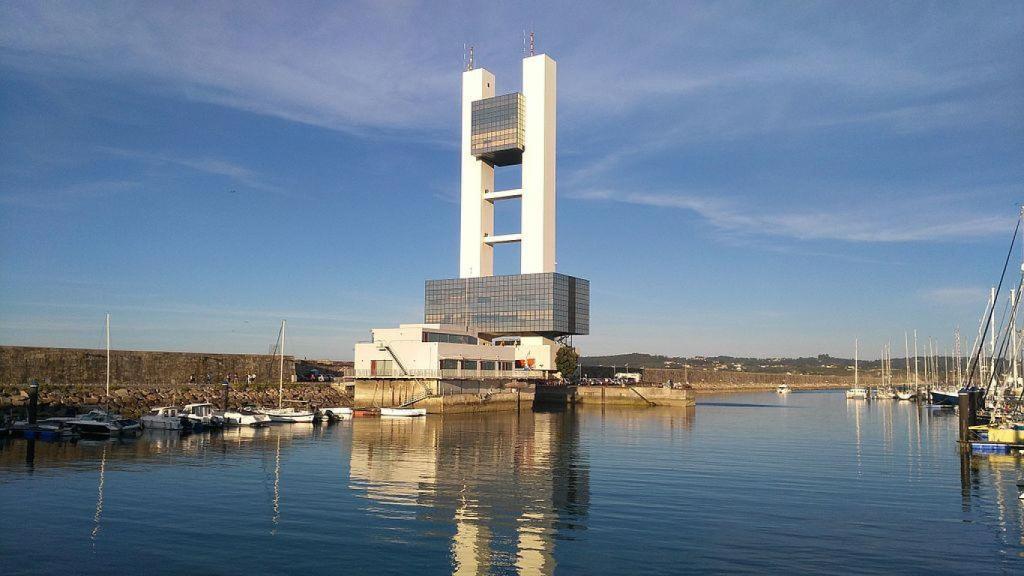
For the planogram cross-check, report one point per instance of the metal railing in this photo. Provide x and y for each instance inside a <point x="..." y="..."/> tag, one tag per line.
<point x="452" y="374"/>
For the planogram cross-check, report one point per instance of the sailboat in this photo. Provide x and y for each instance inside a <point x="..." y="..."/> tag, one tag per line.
<point x="101" y="422"/>
<point x="906" y="393"/>
<point x="292" y="414"/>
<point x="857" y="392"/>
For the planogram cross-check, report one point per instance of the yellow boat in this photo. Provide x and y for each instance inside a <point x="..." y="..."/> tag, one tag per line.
<point x="1011" y="433"/>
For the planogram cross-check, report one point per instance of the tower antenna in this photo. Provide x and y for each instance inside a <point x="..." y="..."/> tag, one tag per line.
<point x="532" y="53"/>
<point x="470" y="58"/>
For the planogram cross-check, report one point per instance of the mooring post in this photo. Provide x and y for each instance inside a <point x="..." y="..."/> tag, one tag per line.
<point x="226" y="393"/>
<point x="965" y="407"/>
<point x="33" y="402"/>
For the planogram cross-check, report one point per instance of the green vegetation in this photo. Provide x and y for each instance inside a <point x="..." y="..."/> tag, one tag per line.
<point x="566" y="360"/>
<point x="823" y="364"/>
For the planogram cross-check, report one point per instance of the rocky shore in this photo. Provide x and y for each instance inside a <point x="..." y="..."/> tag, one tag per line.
<point x="134" y="401"/>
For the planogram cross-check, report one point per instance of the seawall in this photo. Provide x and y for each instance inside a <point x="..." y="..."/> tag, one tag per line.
<point x="717" y="380"/>
<point x="136" y="400"/>
<point x="128" y="368"/>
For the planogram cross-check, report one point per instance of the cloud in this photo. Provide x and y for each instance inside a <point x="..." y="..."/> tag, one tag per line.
<point x="957" y="295"/>
<point x="239" y="174"/>
<point x="834" y="224"/>
<point x="66" y="197"/>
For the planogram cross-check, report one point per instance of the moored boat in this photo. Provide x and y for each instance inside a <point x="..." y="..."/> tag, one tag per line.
<point x="403" y="412"/>
<point x="905" y="395"/>
<point x="334" y="413"/>
<point x="246" y="416"/>
<point x="857" y="393"/>
<point x="945" y="397"/>
<point x="203" y="415"/>
<point x="102" y="423"/>
<point x="164" y="418"/>
<point x="783" y="389"/>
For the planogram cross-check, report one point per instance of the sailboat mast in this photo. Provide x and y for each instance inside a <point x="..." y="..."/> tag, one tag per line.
<point x="856" y="379"/>
<point x="280" y="382"/>
<point x="915" y="357"/>
<point x="906" y="354"/>
<point x="108" y="354"/>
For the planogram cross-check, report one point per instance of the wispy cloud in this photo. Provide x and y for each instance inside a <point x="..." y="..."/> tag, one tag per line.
<point x="216" y="167"/>
<point x="957" y="295"/>
<point x="66" y="197"/>
<point x="834" y="224"/>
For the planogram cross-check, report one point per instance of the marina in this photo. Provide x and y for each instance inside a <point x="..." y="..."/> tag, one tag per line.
<point x="834" y="480"/>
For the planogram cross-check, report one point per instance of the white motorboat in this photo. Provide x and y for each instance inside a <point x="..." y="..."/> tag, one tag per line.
<point x="905" y="395"/>
<point x="783" y="389"/>
<point x="403" y="412"/>
<point x="334" y="413"/>
<point x="203" y="415"/>
<point x="164" y="418"/>
<point x="857" y="393"/>
<point x="291" y="415"/>
<point x="101" y="423"/>
<point x="246" y="416"/>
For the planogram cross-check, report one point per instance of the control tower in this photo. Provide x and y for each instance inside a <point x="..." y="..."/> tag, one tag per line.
<point x="537" y="305"/>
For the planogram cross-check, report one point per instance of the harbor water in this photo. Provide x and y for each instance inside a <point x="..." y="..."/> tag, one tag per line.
<point x="806" y="482"/>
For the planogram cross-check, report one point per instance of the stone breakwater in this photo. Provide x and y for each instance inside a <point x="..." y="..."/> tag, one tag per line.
<point x="136" y="400"/>
<point x="713" y="381"/>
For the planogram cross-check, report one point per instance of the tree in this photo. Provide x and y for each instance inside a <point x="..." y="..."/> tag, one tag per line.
<point x="566" y="360"/>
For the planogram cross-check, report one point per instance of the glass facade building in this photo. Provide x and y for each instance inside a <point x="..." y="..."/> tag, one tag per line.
<point x="497" y="129"/>
<point x="547" y="304"/>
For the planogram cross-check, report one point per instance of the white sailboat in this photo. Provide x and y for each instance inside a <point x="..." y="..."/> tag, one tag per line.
<point x="856" y="393"/>
<point x="291" y="414"/>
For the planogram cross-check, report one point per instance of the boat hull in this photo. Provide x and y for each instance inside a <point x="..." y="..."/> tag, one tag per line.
<point x="403" y="412"/>
<point x="944" y="398"/>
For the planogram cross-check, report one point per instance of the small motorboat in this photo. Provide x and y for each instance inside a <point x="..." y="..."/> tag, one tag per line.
<point x="102" y="423"/>
<point x="246" y="416"/>
<point x="203" y="415"/>
<point x="857" y="393"/>
<point x="403" y="412"/>
<point x="164" y="418"/>
<point x="45" y="429"/>
<point x="783" y="389"/>
<point x="334" y="413"/>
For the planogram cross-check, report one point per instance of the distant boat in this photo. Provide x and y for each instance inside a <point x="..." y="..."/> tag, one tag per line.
<point x="403" y="412"/>
<point x="334" y="413"/>
<point x="282" y="414"/>
<point x="857" y="391"/>
<point x="246" y="416"/>
<point x="101" y="423"/>
<point x="164" y="418"/>
<point x="203" y="415"/>
<point x="945" y="397"/>
<point x="905" y="395"/>
<point x="783" y="389"/>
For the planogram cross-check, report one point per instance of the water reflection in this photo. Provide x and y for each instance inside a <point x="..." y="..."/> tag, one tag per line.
<point x="505" y="483"/>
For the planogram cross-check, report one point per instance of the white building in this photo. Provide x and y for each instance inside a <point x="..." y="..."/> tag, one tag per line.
<point x="481" y="326"/>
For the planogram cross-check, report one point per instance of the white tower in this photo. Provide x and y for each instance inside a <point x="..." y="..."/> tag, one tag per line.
<point x="516" y="128"/>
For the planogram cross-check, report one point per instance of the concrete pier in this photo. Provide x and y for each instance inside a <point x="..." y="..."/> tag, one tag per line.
<point x="638" y="396"/>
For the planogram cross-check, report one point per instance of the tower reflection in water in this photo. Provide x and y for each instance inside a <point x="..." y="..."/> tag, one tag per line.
<point x="507" y="485"/>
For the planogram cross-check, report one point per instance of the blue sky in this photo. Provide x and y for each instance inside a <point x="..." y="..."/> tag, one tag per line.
<point x="734" y="178"/>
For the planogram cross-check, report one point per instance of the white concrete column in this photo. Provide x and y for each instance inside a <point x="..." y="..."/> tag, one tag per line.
<point x="476" y="258"/>
<point x="537" y="250"/>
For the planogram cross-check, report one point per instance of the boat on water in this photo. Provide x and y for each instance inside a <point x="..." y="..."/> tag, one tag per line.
<point x="246" y="416"/>
<point x="857" y="393"/>
<point x="905" y="395"/>
<point x="945" y="397"/>
<point x="289" y="415"/>
<point x="403" y="412"/>
<point x="203" y="415"/>
<point x="164" y="418"/>
<point x="885" y="394"/>
<point x="103" y="423"/>
<point x="46" y="428"/>
<point x="334" y="413"/>
<point x="783" y="389"/>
